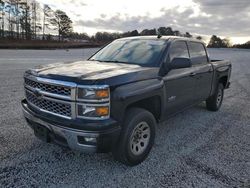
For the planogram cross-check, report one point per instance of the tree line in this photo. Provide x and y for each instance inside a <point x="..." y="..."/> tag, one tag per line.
<point x="30" y="20"/>
<point x="217" y="42"/>
<point x="245" y="45"/>
<point x="214" y="42"/>
<point x="161" y="30"/>
<point x="25" y="19"/>
<point x="106" y="36"/>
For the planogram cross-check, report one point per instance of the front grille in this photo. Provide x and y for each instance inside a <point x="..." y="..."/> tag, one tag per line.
<point x="49" y="105"/>
<point x="54" y="89"/>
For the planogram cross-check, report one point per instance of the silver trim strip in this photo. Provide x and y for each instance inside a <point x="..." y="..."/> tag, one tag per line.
<point x="50" y="81"/>
<point x="72" y="86"/>
<point x="49" y="94"/>
<point x="50" y="99"/>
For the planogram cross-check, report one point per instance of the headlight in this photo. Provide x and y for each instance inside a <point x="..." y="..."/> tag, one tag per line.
<point x="93" y="102"/>
<point x="91" y="111"/>
<point x="93" y="93"/>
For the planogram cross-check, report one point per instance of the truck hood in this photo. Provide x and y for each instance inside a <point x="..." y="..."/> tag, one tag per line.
<point x="94" y="72"/>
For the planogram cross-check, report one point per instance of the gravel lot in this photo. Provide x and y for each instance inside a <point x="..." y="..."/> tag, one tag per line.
<point x="196" y="148"/>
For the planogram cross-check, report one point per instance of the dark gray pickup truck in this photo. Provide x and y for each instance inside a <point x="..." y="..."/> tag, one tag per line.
<point x="114" y="100"/>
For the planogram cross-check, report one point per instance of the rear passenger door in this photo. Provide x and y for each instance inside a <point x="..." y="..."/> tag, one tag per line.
<point x="203" y="70"/>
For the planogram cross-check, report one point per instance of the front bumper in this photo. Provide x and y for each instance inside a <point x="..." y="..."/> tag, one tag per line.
<point x="75" y="139"/>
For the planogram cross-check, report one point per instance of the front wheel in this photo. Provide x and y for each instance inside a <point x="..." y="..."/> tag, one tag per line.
<point x="137" y="137"/>
<point x="214" y="102"/>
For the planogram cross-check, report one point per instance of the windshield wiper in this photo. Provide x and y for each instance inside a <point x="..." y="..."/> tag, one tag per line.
<point x="95" y="60"/>
<point x="115" y="61"/>
<point x="110" y="61"/>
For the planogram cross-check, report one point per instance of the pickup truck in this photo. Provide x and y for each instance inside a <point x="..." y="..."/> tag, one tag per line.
<point x="113" y="101"/>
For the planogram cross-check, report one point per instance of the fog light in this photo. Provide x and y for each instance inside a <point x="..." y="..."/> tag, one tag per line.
<point x="89" y="139"/>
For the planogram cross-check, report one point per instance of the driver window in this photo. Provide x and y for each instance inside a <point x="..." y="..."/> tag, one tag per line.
<point x="178" y="49"/>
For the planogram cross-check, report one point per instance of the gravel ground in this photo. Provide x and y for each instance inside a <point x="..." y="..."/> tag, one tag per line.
<point x="196" y="148"/>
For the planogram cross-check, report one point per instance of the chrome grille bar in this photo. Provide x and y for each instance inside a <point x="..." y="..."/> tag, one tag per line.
<point x="51" y="96"/>
<point x="52" y="106"/>
<point x="53" y="88"/>
<point x="48" y="88"/>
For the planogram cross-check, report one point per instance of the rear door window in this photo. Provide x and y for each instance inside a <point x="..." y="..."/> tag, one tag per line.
<point x="197" y="53"/>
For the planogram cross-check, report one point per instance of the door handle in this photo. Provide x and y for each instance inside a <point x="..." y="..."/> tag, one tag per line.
<point x="192" y="74"/>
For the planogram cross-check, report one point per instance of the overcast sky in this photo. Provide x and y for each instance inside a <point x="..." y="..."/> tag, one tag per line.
<point x="226" y="18"/>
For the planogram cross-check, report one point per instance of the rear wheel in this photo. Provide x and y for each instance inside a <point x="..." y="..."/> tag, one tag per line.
<point x="214" y="102"/>
<point x="137" y="137"/>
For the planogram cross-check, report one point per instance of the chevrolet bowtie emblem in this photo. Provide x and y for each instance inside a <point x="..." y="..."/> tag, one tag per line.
<point x="38" y="93"/>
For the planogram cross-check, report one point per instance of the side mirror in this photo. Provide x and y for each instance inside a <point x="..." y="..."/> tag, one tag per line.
<point x="179" y="62"/>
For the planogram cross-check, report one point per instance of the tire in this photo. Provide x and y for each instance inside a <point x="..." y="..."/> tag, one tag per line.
<point x="214" y="102"/>
<point x="137" y="137"/>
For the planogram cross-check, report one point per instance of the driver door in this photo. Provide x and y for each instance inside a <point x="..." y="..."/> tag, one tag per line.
<point x="179" y="83"/>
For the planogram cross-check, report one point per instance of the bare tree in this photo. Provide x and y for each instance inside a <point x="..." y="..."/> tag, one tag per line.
<point x="25" y="19"/>
<point x="2" y="17"/>
<point x="62" y="23"/>
<point x="15" y="14"/>
<point x="47" y="13"/>
<point x="35" y="10"/>
<point x="9" y="10"/>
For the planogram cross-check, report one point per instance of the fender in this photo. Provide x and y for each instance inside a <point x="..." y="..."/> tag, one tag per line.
<point x="125" y="95"/>
<point x="220" y="72"/>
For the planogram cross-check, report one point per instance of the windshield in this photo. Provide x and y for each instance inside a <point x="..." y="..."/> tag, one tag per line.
<point x="134" y="51"/>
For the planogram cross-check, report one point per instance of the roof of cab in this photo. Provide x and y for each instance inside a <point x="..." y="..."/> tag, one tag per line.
<point x="161" y="38"/>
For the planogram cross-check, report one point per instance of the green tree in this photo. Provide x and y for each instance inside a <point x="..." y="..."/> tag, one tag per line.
<point x="130" y="33"/>
<point x="148" y="32"/>
<point x="177" y="33"/>
<point x="106" y="37"/>
<point x="134" y="33"/>
<point x="245" y="45"/>
<point x="217" y="42"/>
<point x="165" y="31"/>
<point x="62" y="23"/>
<point x="79" y="36"/>
<point x="226" y="43"/>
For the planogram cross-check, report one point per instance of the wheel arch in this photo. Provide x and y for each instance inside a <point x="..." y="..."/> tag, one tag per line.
<point x="223" y="80"/>
<point x="151" y="104"/>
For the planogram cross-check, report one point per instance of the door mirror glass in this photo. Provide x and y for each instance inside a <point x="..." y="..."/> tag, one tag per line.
<point x="180" y="62"/>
